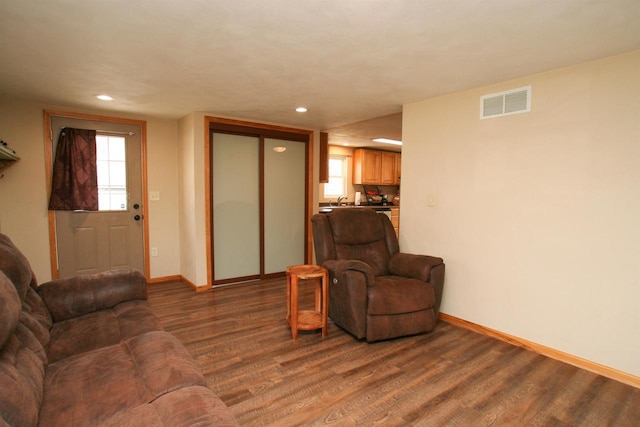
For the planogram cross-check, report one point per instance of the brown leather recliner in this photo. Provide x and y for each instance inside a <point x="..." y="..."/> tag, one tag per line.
<point x="375" y="291"/>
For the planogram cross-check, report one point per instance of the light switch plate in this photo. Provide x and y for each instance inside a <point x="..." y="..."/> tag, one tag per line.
<point x="154" y="195"/>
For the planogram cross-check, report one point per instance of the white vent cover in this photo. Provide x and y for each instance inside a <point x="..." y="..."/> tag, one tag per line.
<point x="512" y="101"/>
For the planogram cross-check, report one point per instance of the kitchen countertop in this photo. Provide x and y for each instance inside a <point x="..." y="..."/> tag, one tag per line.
<point x="324" y="208"/>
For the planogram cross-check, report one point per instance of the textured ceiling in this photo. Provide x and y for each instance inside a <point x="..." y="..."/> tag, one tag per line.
<point x="345" y="60"/>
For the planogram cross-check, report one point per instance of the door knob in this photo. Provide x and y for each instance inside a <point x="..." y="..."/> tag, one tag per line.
<point x="136" y="217"/>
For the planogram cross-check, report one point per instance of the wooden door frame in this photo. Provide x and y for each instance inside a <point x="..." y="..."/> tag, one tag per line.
<point x="211" y="120"/>
<point x="48" y="149"/>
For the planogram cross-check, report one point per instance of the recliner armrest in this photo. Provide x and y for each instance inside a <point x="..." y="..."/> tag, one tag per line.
<point x="339" y="267"/>
<point x="83" y="294"/>
<point x="414" y="266"/>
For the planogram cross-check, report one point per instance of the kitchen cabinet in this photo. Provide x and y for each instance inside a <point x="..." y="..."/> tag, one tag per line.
<point x="388" y="168"/>
<point x="375" y="167"/>
<point x="324" y="157"/>
<point x="395" y="219"/>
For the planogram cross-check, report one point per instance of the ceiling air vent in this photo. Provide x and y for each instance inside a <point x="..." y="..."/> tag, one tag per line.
<point x="505" y="103"/>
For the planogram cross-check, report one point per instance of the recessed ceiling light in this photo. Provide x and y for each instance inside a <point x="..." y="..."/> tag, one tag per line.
<point x="104" y="97"/>
<point x="301" y="110"/>
<point x="387" y="141"/>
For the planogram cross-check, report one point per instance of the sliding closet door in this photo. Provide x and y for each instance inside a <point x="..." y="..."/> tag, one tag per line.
<point x="236" y="206"/>
<point x="284" y="204"/>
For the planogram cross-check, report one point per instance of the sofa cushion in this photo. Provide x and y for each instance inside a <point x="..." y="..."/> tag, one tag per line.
<point x="17" y="270"/>
<point x="389" y="295"/>
<point x="15" y="266"/>
<point x="36" y="317"/>
<point x="10" y="307"/>
<point x="80" y="295"/>
<point x="22" y="362"/>
<point x="101" y="329"/>
<point x="24" y="333"/>
<point x="186" y="407"/>
<point x="90" y="388"/>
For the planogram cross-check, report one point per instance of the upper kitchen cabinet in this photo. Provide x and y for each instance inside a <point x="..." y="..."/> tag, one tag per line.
<point x="375" y="167"/>
<point x="388" y="174"/>
<point x="324" y="157"/>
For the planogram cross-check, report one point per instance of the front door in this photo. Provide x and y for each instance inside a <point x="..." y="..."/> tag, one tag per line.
<point x="111" y="238"/>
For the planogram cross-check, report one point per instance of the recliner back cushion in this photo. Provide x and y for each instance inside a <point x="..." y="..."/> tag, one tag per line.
<point x="360" y="235"/>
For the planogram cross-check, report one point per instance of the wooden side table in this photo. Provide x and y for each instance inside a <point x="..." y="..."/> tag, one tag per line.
<point x="307" y="319"/>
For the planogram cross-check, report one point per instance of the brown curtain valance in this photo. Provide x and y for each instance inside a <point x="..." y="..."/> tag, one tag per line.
<point x="74" y="185"/>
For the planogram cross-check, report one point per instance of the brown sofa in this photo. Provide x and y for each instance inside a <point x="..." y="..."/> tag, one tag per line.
<point x="88" y="351"/>
<point x="376" y="292"/>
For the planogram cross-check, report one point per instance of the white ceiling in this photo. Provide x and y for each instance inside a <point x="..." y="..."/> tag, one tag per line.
<point x="345" y="60"/>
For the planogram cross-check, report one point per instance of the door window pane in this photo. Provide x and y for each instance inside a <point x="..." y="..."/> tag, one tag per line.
<point x="112" y="173"/>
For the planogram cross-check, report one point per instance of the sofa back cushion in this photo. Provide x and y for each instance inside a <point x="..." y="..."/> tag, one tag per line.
<point x="22" y="360"/>
<point x="15" y="266"/>
<point x="24" y="334"/>
<point x="17" y="269"/>
<point x="10" y="307"/>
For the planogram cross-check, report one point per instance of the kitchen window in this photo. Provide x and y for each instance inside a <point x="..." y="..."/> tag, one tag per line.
<point x="337" y="184"/>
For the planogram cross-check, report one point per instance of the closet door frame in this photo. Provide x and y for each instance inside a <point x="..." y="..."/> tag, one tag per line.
<point x="218" y="124"/>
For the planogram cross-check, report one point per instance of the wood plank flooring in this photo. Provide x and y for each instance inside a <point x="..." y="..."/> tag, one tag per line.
<point x="450" y="377"/>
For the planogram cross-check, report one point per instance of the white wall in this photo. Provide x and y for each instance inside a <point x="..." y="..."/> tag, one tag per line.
<point x="162" y="176"/>
<point x="537" y="215"/>
<point x="192" y="199"/>
<point x="23" y="192"/>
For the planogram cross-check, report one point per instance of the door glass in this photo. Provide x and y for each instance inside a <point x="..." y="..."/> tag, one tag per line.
<point x="112" y="173"/>
<point x="284" y="204"/>
<point x="236" y="206"/>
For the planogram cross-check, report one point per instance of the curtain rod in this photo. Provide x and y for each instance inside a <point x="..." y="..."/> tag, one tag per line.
<point x="110" y="131"/>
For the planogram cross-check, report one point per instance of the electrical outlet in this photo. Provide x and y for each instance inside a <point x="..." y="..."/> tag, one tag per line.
<point x="154" y="195"/>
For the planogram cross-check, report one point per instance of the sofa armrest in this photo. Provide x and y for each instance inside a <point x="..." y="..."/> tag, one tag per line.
<point x="414" y="266"/>
<point x="79" y="295"/>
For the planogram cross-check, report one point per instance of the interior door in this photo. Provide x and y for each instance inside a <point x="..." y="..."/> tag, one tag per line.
<point x="236" y="206"/>
<point x="258" y="205"/>
<point x="284" y="204"/>
<point x="111" y="238"/>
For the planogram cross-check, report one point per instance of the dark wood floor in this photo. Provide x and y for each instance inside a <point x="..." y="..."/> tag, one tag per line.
<point x="453" y="376"/>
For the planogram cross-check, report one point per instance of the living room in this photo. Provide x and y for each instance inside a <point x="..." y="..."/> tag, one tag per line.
<point x="535" y="214"/>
